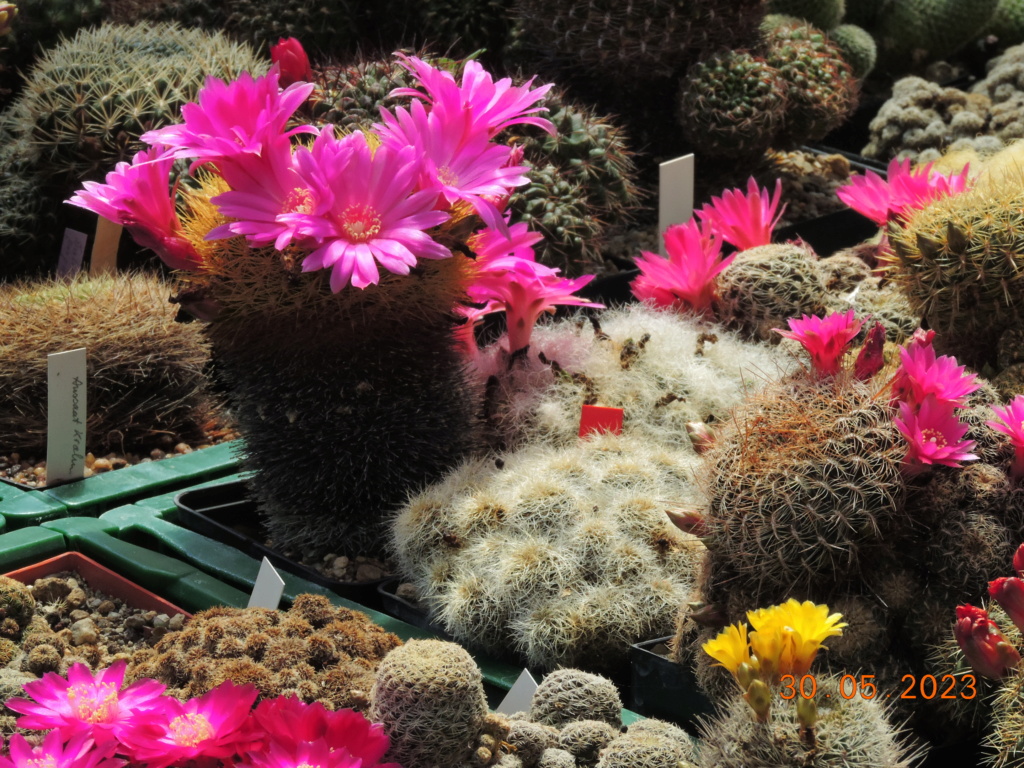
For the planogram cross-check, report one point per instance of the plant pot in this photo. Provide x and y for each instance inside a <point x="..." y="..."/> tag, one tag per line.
<point x="663" y="689"/>
<point x="226" y="513"/>
<point x="100" y="578"/>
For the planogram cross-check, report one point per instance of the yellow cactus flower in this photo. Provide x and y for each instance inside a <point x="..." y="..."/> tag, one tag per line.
<point x="730" y="648"/>
<point x="787" y="637"/>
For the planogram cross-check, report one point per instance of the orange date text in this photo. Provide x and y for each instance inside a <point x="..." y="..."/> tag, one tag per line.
<point x="914" y="687"/>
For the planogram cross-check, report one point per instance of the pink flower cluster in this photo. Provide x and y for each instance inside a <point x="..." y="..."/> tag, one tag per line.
<point x="509" y="279"/>
<point x="825" y="339"/>
<point x="929" y="390"/>
<point x="95" y="722"/>
<point x="980" y="638"/>
<point x="903" y="191"/>
<point x="354" y="203"/>
<point x="1010" y="421"/>
<point x="686" y="279"/>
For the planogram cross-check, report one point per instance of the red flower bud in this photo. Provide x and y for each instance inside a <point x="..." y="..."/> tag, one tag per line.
<point x="700" y="435"/>
<point x="1009" y="593"/>
<point x="688" y="521"/>
<point x="292" y="61"/>
<point x="870" y="360"/>
<point x="1018" y="561"/>
<point x="983" y="644"/>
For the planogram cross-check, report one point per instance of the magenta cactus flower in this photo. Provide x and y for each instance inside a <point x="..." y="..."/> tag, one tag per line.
<point x="826" y="339"/>
<point x="921" y="374"/>
<point x="138" y="196"/>
<point x="490" y="106"/>
<point x="686" y="279"/>
<point x="934" y="435"/>
<point x="745" y="220"/>
<point x="903" y="191"/>
<point x="85" y="703"/>
<point x="1010" y="421"/>
<point x="79" y="752"/>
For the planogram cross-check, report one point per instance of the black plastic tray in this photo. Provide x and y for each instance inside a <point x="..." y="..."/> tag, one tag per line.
<point x="226" y="514"/>
<point x="400" y="608"/>
<point x="663" y="689"/>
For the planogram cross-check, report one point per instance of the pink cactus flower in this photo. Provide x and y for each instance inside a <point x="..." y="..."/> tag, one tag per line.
<point x="367" y="212"/>
<point x="216" y="725"/>
<point x="903" y="191"/>
<point x="231" y="124"/>
<point x="85" y="703"/>
<point x="686" y="279"/>
<point x="1010" y="421"/>
<point x="934" y="436"/>
<point x="459" y="161"/>
<point x="525" y="290"/>
<point x="491" y="245"/>
<point x="289" y="721"/>
<point x="745" y="220"/>
<point x="296" y="754"/>
<point x="1018" y="561"/>
<point x="79" y="752"/>
<point x="491" y="106"/>
<point x="1009" y="593"/>
<point x="987" y="651"/>
<point x="138" y="195"/>
<point x="921" y="374"/>
<point x="826" y="339"/>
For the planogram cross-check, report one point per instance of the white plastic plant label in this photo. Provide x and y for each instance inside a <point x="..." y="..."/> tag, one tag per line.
<point x="66" y="416"/>
<point x="269" y="586"/>
<point x="675" y="195"/>
<point x="72" y="252"/>
<point x="519" y="695"/>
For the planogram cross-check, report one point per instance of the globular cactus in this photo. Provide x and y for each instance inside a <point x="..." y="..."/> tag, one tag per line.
<point x="1007" y="23"/>
<point x="913" y="33"/>
<point x="429" y="696"/>
<point x="651" y="744"/>
<point x="854" y="733"/>
<point x="857" y="46"/>
<point x="824" y="14"/>
<point x="821" y="91"/>
<point x="957" y="260"/>
<point x="17" y="606"/>
<point x="732" y="103"/>
<point x="567" y="695"/>
<point x="146" y="372"/>
<point x="803" y="486"/>
<point x="584" y="739"/>
<point x="84" y="106"/>
<point x="765" y="286"/>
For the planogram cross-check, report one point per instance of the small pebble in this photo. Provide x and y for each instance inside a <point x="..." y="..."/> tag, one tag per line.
<point x="101" y="465"/>
<point x="84" y="632"/>
<point x="340" y="564"/>
<point x="177" y="622"/>
<point x="76" y="597"/>
<point x="407" y="591"/>
<point x="368" y="572"/>
<point x="105" y="607"/>
<point x="93" y="603"/>
<point x="160" y="621"/>
<point x="135" y="621"/>
<point x="183" y="448"/>
<point x="156" y="454"/>
<point x="78" y="615"/>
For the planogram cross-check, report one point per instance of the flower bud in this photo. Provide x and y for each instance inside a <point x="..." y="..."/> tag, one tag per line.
<point x="759" y="697"/>
<point x="292" y="61"/>
<point x="700" y="435"/>
<point x="7" y="13"/>
<point x="870" y="359"/>
<point x="987" y="651"/>
<point x="745" y="675"/>
<point x="688" y="521"/>
<point x="806" y="712"/>
<point x="1009" y="593"/>
<point x="1018" y="561"/>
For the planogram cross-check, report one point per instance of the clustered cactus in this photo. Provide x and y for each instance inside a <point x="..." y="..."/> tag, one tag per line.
<point x="313" y="650"/>
<point x="146" y="372"/>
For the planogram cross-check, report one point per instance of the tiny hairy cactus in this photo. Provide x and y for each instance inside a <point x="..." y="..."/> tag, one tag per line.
<point x="146" y="372"/>
<point x="765" y="286"/>
<point x="804" y="485"/>
<point x="853" y="733"/>
<point x="732" y="103"/>
<point x="958" y="262"/>
<point x="567" y="695"/>
<point x="821" y="91"/>
<point x="824" y="14"/>
<point x="17" y="606"/>
<point x="429" y="696"/>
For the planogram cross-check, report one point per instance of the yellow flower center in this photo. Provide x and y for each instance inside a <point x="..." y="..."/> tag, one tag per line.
<point x="95" y="703"/>
<point x="298" y="201"/>
<point x="191" y="729"/>
<point x="447" y="176"/>
<point x="360" y="223"/>
<point x="935" y="437"/>
<point x="46" y="761"/>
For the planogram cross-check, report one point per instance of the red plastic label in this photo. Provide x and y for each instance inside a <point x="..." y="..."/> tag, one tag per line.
<point x="598" y="418"/>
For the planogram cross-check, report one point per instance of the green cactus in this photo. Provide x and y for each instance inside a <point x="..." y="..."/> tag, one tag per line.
<point x="765" y="286"/>
<point x="1007" y="22"/>
<point x="821" y="90"/>
<point x="958" y="262"/>
<point x="568" y="695"/>
<point x="429" y="697"/>
<point x="824" y="14"/>
<point x="857" y="46"/>
<point x="803" y="485"/>
<point x="732" y="104"/>
<point x="913" y="33"/>
<point x="852" y="733"/>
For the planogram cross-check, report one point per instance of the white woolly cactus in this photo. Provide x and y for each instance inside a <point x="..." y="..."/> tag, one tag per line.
<point x="562" y="545"/>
